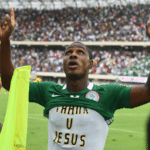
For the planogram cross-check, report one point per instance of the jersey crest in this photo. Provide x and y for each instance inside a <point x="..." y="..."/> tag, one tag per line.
<point x="93" y="95"/>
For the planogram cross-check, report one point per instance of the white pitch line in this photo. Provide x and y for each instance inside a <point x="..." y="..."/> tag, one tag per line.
<point x="43" y="119"/>
<point x="127" y="131"/>
<point x="35" y="114"/>
<point x="132" y="115"/>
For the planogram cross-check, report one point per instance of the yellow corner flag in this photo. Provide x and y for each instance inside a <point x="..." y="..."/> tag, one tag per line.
<point x="14" y="131"/>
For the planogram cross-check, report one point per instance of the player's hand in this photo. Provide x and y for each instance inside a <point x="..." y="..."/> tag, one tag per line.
<point x="148" y="28"/>
<point x="1" y="127"/>
<point x="7" y="25"/>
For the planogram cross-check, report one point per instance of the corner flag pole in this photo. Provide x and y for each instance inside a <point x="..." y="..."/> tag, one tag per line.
<point x="14" y="131"/>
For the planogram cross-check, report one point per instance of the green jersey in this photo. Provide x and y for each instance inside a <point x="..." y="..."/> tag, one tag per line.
<point x="79" y="121"/>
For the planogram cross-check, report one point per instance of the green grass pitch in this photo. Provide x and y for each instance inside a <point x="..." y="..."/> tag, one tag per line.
<point x="127" y="132"/>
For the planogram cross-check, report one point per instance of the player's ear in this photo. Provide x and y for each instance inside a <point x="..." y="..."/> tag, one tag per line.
<point x="90" y="64"/>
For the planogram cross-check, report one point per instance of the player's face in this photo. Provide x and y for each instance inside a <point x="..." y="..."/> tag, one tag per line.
<point x="76" y="60"/>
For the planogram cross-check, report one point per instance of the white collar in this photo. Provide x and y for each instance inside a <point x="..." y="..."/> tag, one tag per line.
<point x="90" y="86"/>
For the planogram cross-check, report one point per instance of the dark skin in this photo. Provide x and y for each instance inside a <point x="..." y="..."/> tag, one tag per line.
<point x="139" y="95"/>
<point x="75" y="76"/>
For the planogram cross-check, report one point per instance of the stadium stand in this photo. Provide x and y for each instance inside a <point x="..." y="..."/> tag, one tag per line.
<point x="111" y="23"/>
<point x="102" y="24"/>
<point x="122" y="23"/>
<point x="107" y="61"/>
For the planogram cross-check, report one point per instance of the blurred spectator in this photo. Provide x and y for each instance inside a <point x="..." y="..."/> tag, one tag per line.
<point x="111" y="23"/>
<point x="113" y="62"/>
<point x="38" y="80"/>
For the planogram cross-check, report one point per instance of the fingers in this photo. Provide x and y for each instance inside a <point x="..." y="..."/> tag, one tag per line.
<point x="7" y="21"/>
<point x="4" y="23"/>
<point x="12" y="16"/>
<point x="149" y="17"/>
<point x="7" y="18"/>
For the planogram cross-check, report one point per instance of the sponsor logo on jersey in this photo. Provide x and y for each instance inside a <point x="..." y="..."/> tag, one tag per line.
<point x="93" y="95"/>
<point x="77" y="96"/>
<point x="53" y="95"/>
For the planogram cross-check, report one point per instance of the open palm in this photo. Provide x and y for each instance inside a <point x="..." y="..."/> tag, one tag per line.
<point x="7" y="25"/>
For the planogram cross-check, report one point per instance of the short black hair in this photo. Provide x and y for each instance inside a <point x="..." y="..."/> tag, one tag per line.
<point x="87" y="48"/>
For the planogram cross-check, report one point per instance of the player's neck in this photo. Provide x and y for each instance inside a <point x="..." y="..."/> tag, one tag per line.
<point x="78" y="85"/>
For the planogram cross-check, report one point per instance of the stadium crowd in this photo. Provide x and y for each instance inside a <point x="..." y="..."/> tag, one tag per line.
<point x="111" y="23"/>
<point x="112" y="62"/>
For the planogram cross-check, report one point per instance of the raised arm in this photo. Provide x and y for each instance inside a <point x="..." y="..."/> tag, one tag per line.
<point x="140" y="95"/>
<point x="7" y="25"/>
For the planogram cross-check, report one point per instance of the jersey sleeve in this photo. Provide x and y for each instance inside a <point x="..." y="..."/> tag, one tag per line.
<point x="122" y="96"/>
<point x="37" y="92"/>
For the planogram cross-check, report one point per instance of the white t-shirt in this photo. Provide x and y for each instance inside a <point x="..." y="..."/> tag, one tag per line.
<point x="76" y="128"/>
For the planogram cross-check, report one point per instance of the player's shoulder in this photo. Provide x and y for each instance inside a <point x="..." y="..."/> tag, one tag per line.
<point x="110" y="86"/>
<point x="45" y="84"/>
